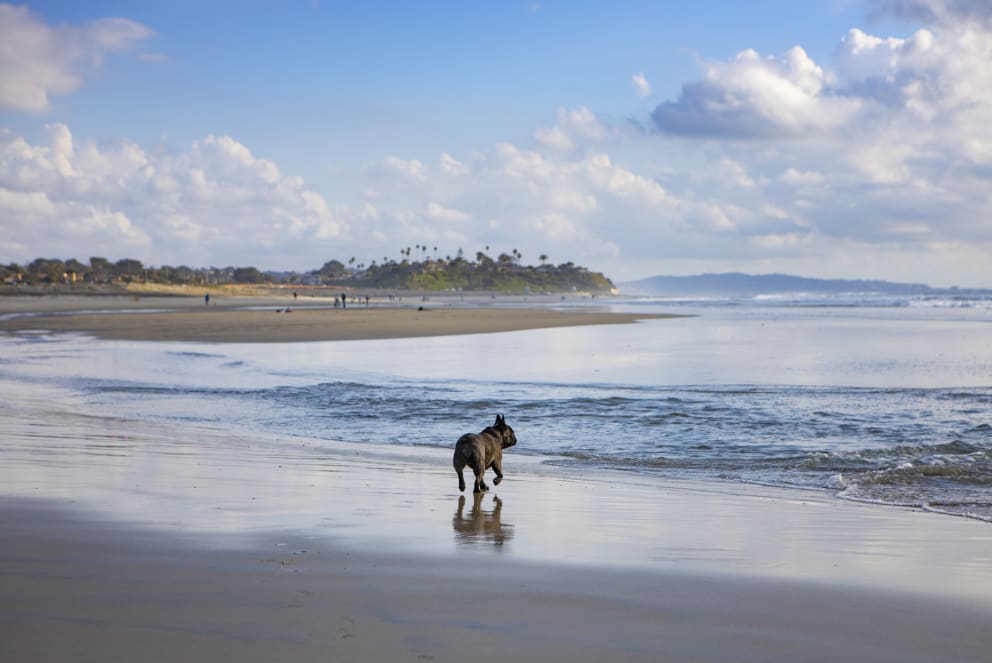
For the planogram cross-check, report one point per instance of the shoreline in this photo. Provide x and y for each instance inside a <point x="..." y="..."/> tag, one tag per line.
<point x="276" y="320"/>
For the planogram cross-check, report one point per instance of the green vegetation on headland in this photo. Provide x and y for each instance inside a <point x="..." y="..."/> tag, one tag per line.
<point x="503" y="274"/>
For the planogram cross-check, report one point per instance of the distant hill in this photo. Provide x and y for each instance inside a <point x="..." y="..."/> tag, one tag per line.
<point x="737" y="284"/>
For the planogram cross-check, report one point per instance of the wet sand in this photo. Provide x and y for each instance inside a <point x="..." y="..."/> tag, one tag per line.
<point x="280" y="320"/>
<point x="82" y="591"/>
<point x="378" y="578"/>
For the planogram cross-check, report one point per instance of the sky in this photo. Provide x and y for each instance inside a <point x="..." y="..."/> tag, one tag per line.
<point x="825" y="138"/>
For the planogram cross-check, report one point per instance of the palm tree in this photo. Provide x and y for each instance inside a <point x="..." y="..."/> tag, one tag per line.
<point x="543" y="258"/>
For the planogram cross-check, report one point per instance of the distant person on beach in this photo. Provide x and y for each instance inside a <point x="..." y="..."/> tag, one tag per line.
<point x="294" y="295"/>
<point x="343" y="305"/>
<point x="206" y="299"/>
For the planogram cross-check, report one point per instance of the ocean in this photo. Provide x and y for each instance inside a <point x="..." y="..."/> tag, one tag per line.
<point x="875" y="398"/>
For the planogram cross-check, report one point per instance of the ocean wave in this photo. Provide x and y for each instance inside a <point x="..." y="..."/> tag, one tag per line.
<point x="854" y="299"/>
<point x="909" y="447"/>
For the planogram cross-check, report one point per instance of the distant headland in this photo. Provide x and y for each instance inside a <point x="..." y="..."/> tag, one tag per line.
<point x="743" y="285"/>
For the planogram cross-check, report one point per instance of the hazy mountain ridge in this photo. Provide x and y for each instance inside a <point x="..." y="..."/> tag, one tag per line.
<point x="736" y="283"/>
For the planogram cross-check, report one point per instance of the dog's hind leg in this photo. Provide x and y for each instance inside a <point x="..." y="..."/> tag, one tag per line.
<point x="480" y="482"/>
<point x="459" y="466"/>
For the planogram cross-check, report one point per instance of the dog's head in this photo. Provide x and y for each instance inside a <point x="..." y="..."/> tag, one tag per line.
<point x="507" y="437"/>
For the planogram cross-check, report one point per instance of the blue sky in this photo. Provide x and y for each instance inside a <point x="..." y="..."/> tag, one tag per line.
<point x="838" y="138"/>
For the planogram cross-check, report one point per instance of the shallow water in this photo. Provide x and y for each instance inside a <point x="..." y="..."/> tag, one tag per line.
<point x="882" y="401"/>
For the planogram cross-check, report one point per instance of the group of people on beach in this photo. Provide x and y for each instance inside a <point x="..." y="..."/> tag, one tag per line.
<point x="343" y="299"/>
<point x="340" y="301"/>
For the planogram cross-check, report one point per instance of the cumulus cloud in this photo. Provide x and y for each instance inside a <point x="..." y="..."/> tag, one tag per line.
<point x="754" y="96"/>
<point x="584" y="123"/>
<point x="641" y="84"/>
<point x="575" y="128"/>
<point x="873" y="83"/>
<point x="410" y="168"/>
<point x="554" y="138"/>
<point x="38" y="60"/>
<point x="451" y="165"/>
<point x="438" y="212"/>
<point x="878" y="156"/>
<point x="884" y="148"/>
<point x="215" y="199"/>
<point x="583" y="205"/>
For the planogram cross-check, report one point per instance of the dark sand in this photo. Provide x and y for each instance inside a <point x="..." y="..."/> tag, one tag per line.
<point x="78" y="590"/>
<point x="226" y="320"/>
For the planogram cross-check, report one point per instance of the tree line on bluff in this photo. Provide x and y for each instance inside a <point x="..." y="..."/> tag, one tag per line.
<point x="504" y="273"/>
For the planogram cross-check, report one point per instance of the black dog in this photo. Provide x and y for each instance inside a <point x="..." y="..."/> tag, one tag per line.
<point x="480" y="451"/>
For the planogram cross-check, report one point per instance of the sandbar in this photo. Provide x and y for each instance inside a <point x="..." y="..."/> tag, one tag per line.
<point x="259" y="320"/>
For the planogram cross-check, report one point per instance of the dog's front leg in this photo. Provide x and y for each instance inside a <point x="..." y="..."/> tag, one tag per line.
<point x="497" y="468"/>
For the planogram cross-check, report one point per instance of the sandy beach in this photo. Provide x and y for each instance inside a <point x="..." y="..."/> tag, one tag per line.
<point x="76" y="590"/>
<point x="126" y="538"/>
<point x="261" y="320"/>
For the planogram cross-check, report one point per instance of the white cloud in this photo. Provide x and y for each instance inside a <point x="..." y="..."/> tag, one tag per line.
<point x="438" y="212"/>
<point x="880" y="151"/>
<point x="800" y="177"/>
<point x="38" y="60"/>
<point x="571" y="200"/>
<point x="583" y="123"/>
<point x="734" y="173"/>
<point x="410" y="168"/>
<point x="575" y="128"/>
<point x="581" y="205"/>
<point x="877" y="162"/>
<point x="753" y="96"/>
<point x="641" y="84"/>
<point x="25" y="205"/>
<point x="554" y="138"/>
<point x="451" y="165"/>
<point x="214" y="201"/>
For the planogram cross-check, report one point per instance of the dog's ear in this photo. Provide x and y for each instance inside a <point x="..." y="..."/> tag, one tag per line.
<point x="500" y="422"/>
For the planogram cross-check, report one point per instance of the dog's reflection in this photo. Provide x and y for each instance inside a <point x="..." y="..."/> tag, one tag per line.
<point x="481" y="527"/>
